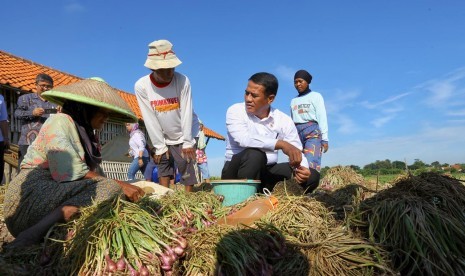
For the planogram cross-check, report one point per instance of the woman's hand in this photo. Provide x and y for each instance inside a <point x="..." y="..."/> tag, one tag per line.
<point x="324" y="147"/>
<point x="132" y="192"/>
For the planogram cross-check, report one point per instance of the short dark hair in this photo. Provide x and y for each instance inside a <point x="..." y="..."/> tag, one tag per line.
<point x="44" y="77"/>
<point x="269" y="81"/>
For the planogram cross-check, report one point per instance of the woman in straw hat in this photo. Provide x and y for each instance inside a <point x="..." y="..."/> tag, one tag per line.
<point x="61" y="171"/>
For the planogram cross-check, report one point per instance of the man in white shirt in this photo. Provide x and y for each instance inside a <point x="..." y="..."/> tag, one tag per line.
<point x="165" y="100"/>
<point x="256" y="132"/>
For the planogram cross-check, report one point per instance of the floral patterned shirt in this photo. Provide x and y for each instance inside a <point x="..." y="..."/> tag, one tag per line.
<point x="58" y="149"/>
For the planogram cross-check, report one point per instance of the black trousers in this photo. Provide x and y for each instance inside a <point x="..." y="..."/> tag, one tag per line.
<point x="251" y="164"/>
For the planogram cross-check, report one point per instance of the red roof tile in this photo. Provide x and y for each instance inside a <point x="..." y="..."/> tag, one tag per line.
<point x="20" y="73"/>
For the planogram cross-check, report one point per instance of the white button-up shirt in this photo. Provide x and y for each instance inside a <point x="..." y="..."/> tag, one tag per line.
<point x="248" y="131"/>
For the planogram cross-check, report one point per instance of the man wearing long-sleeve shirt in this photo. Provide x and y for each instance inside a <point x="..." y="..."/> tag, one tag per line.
<point x="165" y="101"/>
<point x="33" y="110"/>
<point x="256" y="132"/>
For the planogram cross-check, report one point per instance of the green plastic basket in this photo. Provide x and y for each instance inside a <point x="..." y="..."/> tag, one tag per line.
<point x="235" y="191"/>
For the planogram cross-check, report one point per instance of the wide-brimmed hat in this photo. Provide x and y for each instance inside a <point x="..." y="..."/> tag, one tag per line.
<point x="96" y="92"/>
<point x="161" y="55"/>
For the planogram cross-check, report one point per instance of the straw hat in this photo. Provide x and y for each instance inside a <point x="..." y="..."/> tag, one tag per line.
<point x="161" y="55"/>
<point x="96" y="92"/>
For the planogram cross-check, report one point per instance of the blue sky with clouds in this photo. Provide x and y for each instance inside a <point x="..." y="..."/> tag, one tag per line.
<point x="392" y="73"/>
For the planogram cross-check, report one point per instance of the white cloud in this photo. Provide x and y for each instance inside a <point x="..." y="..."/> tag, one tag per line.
<point x="443" y="92"/>
<point x="345" y="125"/>
<point x="74" y="6"/>
<point x="286" y="73"/>
<point x="391" y="110"/>
<point x="426" y="145"/>
<point x="379" y="122"/>
<point x="340" y="100"/>
<point x="392" y="99"/>
<point x="456" y="113"/>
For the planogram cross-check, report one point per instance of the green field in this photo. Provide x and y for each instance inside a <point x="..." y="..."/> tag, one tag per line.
<point x="390" y="178"/>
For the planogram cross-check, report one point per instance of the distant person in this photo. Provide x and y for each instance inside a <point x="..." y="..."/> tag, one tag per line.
<point x="61" y="171"/>
<point x="32" y="110"/>
<point x="137" y="150"/>
<point x="4" y="134"/>
<point x="148" y="174"/>
<point x="309" y="115"/>
<point x="165" y="100"/>
<point x="202" y="161"/>
<point x="256" y="132"/>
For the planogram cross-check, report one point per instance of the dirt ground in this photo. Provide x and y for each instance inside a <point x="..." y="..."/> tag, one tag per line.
<point x="5" y="236"/>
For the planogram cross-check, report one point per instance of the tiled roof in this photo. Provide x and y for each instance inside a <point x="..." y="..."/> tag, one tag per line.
<point x="20" y="73"/>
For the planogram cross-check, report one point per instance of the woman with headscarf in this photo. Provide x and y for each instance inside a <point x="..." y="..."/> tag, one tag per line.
<point x="61" y="171"/>
<point x="309" y="115"/>
<point x="137" y="150"/>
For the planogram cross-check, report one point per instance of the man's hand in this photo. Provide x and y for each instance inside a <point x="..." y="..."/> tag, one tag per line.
<point x="38" y="111"/>
<point x="294" y="154"/>
<point x="157" y="158"/>
<point x="141" y="163"/>
<point x="188" y="154"/>
<point x="132" y="192"/>
<point x="301" y="174"/>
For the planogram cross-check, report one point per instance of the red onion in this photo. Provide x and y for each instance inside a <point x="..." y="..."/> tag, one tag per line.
<point x="132" y="271"/>
<point x="189" y="215"/>
<point x="182" y="242"/>
<point x="70" y="234"/>
<point x="121" y="264"/>
<point x="111" y="265"/>
<point x="165" y="259"/>
<point x="170" y="253"/>
<point x="144" y="271"/>
<point x="166" y="268"/>
<point x="179" y="251"/>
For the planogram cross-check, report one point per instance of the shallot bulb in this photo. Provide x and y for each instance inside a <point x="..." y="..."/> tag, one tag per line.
<point x="111" y="265"/>
<point x="179" y="251"/>
<point x="182" y="242"/>
<point x="144" y="271"/>
<point x="121" y="264"/>
<point x="132" y="271"/>
<point x="165" y="259"/>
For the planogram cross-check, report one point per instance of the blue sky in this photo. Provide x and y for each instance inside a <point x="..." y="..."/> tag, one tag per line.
<point x="392" y="73"/>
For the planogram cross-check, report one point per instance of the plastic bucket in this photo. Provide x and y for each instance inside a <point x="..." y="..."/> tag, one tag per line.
<point x="235" y="191"/>
<point x="155" y="175"/>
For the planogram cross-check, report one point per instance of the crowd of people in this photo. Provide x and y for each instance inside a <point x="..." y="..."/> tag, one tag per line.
<point x="60" y="153"/>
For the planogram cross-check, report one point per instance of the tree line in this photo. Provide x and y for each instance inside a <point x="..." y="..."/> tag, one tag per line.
<point x="387" y="166"/>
